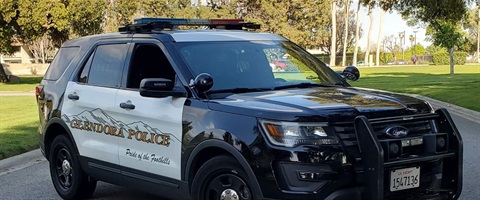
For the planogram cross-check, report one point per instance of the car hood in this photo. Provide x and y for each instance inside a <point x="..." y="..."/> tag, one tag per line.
<point x="321" y="103"/>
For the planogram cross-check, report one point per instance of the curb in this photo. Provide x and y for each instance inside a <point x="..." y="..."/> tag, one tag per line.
<point x="468" y="114"/>
<point x="21" y="161"/>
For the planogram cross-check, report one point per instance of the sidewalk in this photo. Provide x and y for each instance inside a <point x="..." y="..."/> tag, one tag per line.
<point x="17" y="93"/>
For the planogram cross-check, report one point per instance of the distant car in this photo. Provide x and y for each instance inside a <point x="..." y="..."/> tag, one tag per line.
<point x="360" y="63"/>
<point x="390" y="62"/>
<point x="401" y="62"/>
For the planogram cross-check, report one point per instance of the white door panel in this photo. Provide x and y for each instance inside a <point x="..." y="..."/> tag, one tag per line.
<point x="153" y="133"/>
<point x="89" y="118"/>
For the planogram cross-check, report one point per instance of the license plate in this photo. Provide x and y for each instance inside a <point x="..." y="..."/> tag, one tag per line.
<point x="402" y="179"/>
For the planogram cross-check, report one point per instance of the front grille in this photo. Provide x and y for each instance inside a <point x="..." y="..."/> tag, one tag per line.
<point x="417" y="126"/>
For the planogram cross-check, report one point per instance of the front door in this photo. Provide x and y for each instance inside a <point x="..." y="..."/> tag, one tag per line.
<point x="90" y="101"/>
<point x="153" y="126"/>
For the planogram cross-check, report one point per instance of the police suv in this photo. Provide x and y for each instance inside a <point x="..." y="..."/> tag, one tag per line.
<point x="224" y="112"/>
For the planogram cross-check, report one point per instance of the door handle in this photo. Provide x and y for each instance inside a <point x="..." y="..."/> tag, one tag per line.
<point x="127" y="106"/>
<point x="73" y="96"/>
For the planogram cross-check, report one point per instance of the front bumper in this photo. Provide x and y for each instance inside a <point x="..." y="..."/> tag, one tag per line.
<point x="369" y="175"/>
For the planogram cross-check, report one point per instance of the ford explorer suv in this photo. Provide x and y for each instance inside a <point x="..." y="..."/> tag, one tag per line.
<point x="187" y="113"/>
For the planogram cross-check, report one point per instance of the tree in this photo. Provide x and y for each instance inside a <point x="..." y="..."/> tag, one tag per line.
<point x="85" y="17"/>
<point x="390" y="44"/>
<point x="447" y="35"/>
<point x="380" y="30"/>
<point x="370" y="5"/>
<point x="357" y="33"/>
<point x="8" y="15"/>
<point x="333" y="51"/>
<point x="345" y="38"/>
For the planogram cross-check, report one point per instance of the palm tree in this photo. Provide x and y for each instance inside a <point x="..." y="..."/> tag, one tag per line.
<point x="380" y="33"/>
<point x="357" y="33"/>
<point x="333" y="49"/>
<point x="345" y="38"/>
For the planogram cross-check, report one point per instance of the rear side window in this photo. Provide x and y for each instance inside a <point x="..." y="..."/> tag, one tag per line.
<point x="62" y="60"/>
<point x="105" y="65"/>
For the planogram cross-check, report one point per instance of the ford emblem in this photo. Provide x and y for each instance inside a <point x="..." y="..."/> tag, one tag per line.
<point x="396" y="131"/>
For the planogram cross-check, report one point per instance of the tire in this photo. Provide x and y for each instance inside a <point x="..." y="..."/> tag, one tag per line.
<point x="221" y="176"/>
<point x="68" y="178"/>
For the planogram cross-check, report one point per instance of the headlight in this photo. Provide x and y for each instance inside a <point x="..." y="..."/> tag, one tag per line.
<point x="291" y="134"/>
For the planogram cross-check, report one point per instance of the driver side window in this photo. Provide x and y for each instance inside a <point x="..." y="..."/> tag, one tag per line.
<point x="148" y="61"/>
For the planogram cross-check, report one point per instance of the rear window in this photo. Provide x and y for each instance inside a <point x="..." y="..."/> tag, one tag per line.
<point x="62" y="60"/>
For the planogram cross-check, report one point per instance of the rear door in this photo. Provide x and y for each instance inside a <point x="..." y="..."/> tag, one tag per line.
<point x="153" y="126"/>
<point x="90" y="100"/>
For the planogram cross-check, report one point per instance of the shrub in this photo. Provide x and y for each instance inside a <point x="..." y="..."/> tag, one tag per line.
<point x="443" y="58"/>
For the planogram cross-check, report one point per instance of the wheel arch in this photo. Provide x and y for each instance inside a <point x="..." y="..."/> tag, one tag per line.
<point x="55" y="127"/>
<point x="209" y="149"/>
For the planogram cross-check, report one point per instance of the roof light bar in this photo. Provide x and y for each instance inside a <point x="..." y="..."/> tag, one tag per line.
<point x="158" y="24"/>
<point x="186" y="22"/>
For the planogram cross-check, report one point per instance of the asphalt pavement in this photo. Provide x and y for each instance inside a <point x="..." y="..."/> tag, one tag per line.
<point x="27" y="176"/>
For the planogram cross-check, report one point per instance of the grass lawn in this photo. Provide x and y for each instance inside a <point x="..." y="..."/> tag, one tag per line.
<point x="27" y="83"/>
<point x="18" y="125"/>
<point x="462" y="89"/>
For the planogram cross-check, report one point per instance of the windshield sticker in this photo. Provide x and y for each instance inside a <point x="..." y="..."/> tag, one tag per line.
<point x="98" y="121"/>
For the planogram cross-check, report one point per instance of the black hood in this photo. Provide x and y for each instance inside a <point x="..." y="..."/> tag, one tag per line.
<point x="320" y="104"/>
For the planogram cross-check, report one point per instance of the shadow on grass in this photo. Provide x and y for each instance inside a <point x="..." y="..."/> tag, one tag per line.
<point x="18" y="139"/>
<point x="28" y="80"/>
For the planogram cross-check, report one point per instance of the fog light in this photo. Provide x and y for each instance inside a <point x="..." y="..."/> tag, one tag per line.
<point x="306" y="175"/>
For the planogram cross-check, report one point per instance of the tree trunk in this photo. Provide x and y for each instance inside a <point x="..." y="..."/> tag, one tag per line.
<point x="3" y="75"/>
<point x="478" y="36"/>
<point x="380" y="35"/>
<point x="452" y="67"/>
<point x="42" y="46"/>
<point x="333" y="49"/>
<point x="357" y="34"/>
<point x="369" y="39"/>
<point x="345" y="37"/>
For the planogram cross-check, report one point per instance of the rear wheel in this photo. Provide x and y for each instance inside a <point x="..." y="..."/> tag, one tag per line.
<point x="68" y="178"/>
<point x="221" y="178"/>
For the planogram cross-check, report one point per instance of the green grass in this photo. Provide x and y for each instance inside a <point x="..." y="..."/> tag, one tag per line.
<point x="27" y="83"/>
<point x="18" y="125"/>
<point x="462" y="89"/>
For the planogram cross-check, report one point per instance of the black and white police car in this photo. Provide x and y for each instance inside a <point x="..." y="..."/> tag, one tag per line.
<point x="202" y="114"/>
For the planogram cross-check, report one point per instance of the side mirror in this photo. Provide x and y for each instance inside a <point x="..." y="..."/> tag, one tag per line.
<point x="160" y="87"/>
<point x="351" y="73"/>
<point x="203" y="82"/>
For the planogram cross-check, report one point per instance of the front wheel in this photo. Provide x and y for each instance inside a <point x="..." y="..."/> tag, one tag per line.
<point x="68" y="178"/>
<point x="221" y="178"/>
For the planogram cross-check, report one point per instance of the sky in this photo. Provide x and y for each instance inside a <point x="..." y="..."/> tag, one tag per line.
<point x="393" y="25"/>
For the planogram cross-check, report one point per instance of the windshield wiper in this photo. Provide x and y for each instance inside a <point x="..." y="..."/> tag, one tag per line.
<point x="238" y="90"/>
<point x="302" y="85"/>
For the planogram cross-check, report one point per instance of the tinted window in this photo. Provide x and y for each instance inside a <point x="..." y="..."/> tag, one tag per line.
<point x="107" y="65"/>
<point x="148" y="61"/>
<point x="62" y="60"/>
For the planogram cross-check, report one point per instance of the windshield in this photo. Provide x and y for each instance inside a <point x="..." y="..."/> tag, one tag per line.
<point x="255" y="64"/>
